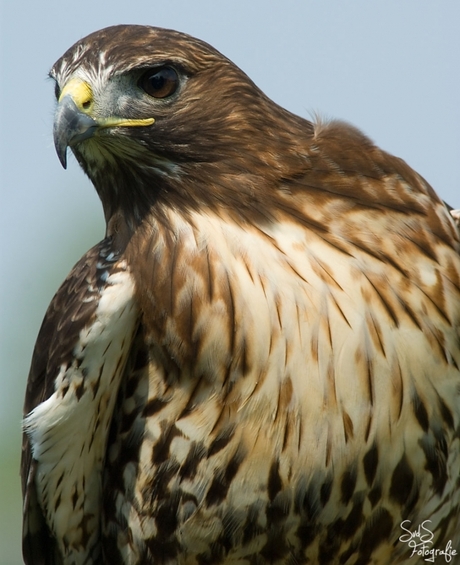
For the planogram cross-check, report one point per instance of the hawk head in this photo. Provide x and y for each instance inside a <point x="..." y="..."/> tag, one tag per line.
<point x="164" y="113"/>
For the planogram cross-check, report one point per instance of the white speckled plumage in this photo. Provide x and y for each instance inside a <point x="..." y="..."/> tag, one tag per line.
<point x="68" y="431"/>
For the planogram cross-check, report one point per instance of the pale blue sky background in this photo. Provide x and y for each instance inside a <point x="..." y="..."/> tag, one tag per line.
<point x="390" y="67"/>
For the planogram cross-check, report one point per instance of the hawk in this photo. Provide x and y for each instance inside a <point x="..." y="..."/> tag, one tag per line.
<point x="260" y="361"/>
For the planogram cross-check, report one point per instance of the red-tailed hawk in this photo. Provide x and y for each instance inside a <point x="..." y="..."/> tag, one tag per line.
<point x="260" y="362"/>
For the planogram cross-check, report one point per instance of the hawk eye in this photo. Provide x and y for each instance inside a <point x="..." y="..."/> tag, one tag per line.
<point x="160" y="82"/>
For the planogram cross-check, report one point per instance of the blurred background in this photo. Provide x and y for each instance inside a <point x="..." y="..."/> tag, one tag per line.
<point x="391" y="68"/>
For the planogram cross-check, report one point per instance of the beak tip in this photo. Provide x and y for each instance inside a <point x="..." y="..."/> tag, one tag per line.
<point x="62" y="156"/>
<point x="61" y="151"/>
<point x="60" y="144"/>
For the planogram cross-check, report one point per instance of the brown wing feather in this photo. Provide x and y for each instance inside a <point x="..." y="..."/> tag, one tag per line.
<point x="70" y="310"/>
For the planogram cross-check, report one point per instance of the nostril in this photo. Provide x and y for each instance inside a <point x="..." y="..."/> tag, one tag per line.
<point x="86" y="104"/>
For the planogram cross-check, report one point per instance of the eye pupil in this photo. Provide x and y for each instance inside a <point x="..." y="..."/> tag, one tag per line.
<point x="157" y="82"/>
<point x="160" y="82"/>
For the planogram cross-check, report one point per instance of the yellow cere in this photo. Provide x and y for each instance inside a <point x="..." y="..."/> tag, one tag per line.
<point x="80" y="92"/>
<point x="82" y="95"/>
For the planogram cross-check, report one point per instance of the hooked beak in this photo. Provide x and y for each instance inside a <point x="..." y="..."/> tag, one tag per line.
<point x="71" y="125"/>
<point x="74" y="123"/>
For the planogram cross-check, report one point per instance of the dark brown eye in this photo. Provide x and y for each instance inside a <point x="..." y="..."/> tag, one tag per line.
<point x="159" y="83"/>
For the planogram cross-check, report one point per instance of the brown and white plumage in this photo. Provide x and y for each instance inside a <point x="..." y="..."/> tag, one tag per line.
<point x="260" y="362"/>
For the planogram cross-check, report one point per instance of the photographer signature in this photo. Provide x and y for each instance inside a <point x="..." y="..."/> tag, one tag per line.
<point x="420" y="541"/>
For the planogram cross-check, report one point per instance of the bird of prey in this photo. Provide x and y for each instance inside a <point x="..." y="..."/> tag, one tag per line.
<point x="259" y="363"/>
